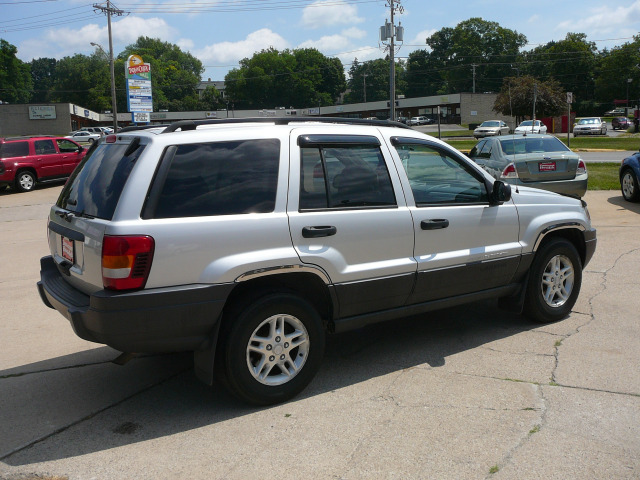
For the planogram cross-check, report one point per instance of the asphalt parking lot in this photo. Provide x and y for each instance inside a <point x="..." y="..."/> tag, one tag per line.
<point x="465" y="393"/>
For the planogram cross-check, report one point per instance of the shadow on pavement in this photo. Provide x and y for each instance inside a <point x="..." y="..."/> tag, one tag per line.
<point x="619" y="201"/>
<point x="158" y="396"/>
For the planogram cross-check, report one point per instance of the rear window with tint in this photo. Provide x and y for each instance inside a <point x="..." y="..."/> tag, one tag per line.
<point x="14" y="149"/>
<point x="95" y="186"/>
<point x="222" y="178"/>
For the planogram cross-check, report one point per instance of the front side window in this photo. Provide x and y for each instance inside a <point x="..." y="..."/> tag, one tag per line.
<point x="66" y="146"/>
<point x="436" y="177"/>
<point x="344" y="176"/>
<point x="222" y="178"/>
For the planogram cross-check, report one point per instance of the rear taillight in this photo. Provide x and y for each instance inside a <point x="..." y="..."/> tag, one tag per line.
<point x="582" y="168"/>
<point x="509" y="171"/>
<point x="111" y="139"/>
<point x="126" y="261"/>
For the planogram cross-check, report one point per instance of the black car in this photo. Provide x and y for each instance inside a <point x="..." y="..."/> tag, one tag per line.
<point x="621" y="123"/>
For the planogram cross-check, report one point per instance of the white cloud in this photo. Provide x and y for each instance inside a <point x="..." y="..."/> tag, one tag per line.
<point x="329" y="13"/>
<point x="354" y="32"/>
<point x="185" y="44"/>
<point x="534" y="18"/>
<point x="421" y="37"/>
<point x="233" y="52"/>
<point x="605" y="20"/>
<point x="61" y="42"/>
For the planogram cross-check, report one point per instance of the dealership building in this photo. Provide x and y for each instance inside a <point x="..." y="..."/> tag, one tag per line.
<point x="62" y="118"/>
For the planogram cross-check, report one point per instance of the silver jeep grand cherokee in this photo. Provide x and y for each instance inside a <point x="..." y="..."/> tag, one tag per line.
<point x="247" y="241"/>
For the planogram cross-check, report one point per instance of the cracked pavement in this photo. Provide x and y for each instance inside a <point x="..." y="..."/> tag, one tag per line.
<point x="465" y="393"/>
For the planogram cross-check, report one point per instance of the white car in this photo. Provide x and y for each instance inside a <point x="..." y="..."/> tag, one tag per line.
<point x="418" y="121"/>
<point x="84" y="136"/>
<point x="590" y="126"/>
<point x="491" y="128"/>
<point x="528" y="126"/>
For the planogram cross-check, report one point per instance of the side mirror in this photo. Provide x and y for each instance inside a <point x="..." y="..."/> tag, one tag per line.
<point x="80" y="148"/>
<point x="500" y="193"/>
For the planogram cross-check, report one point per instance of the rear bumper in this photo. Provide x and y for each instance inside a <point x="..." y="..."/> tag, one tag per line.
<point x="155" y="320"/>
<point x="576" y="187"/>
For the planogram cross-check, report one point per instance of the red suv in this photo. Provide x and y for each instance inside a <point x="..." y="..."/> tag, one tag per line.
<point x="27" y="160"/>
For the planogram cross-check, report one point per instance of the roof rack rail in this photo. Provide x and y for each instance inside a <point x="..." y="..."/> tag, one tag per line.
<point x="185" y="125"/>
<point x="27" y="137"/>
<point x="133" y="128"/>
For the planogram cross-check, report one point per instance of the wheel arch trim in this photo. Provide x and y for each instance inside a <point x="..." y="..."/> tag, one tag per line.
<point x="276" y="270"/>
<point x="554" y="228"/>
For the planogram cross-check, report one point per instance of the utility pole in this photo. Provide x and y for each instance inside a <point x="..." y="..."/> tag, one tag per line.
<point x="109" y="9"/>
<point x="364" y="78"/>
<point x="390" y="32"/>
<point x="473" y="65"/>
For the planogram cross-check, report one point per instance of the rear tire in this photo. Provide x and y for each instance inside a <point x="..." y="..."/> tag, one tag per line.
<point x="25" y="181"/>
<point x="271" y="349"/>
<point x="554" y="281"/>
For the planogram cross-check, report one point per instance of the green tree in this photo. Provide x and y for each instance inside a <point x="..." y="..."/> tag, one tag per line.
<point x="15" y="78"/>
<point x="372" y="74"/>
<point x="572" y="62"/>
<point x="487" y="45"/>
<point x="43" y="71"/>
<point x="424" y="75"/>
<point x="174" y="73"/>
<point x="211" y="99"/>
<point x="291" y="78"/>
<point x="84" y="80"/>
<point x="516" y="97"/>
<point x="618" y="66"/>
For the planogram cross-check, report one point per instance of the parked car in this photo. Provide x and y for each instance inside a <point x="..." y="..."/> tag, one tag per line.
<point x="528" y="126"/>
<point x="321" y="225"/>
<point x="590" y="126"/>
<point x="629" y="176"/>
<point x="25" y="161"/>
<point x="620" y="123"/>
<point x="540" y="161"/>
<point x="490" y="128"/>
<point x="418" y="121"/>
<point x="99" y="130"/>
<point x="614" y="112"/>
<point x="84" y="136"/>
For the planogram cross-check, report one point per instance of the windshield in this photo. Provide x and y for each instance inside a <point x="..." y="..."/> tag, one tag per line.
<point x="587" y="121"/>
<point x="490" y="124"/>
<point x="527" y="123"/>
<point x="95" y="186"/>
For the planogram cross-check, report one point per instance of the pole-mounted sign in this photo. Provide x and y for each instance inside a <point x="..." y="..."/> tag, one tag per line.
<point x="139" y="97"/>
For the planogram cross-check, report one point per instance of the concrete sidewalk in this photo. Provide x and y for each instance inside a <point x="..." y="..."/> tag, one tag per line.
<point x="465" y="393"/>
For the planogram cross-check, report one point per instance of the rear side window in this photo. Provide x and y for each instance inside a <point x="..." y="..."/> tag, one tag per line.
<point x="95" y="186"/>
<point x="44" y="147"/>
<point x="222" y="178"/>
<point x="14" y="149"/>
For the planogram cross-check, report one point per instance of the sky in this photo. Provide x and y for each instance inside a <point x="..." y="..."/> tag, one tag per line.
<point x="222" y="32"/>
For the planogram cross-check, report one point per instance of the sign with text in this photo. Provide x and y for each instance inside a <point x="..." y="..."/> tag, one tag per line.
<point x="141" y="117"/>
<point x="42" y="112"/>
<point x="138" y="76"/>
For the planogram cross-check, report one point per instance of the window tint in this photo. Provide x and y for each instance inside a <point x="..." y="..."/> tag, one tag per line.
<point x="44" y="147"/>
<point x="14" y="149"/>
<point x="344" y="176"/>
<point x="223" y="178"/>
<point x="95" y="186"/>
<point x="438" y="178"/>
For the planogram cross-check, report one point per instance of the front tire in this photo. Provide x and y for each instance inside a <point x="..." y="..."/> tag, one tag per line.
<point x="25" y="181"/>
<point x="629" y="186"/>
<point x="271" y="349"/>
<point x="554" y="281"/>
